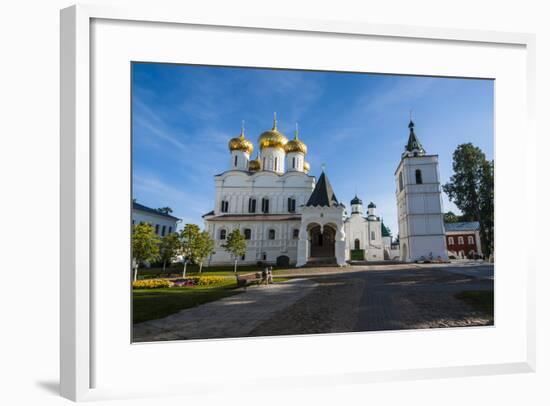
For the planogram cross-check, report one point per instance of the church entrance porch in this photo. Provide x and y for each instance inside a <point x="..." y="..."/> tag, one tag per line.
<point x="321" y="242"/>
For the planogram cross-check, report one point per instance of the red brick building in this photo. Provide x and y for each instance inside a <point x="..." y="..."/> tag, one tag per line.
<point x="462" y="240"/>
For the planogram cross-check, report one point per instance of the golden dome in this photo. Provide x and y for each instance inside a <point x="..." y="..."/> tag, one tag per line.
<point x="240" y="143"/>
<point x="296" y="145"/>
<point x="254" y="165"/>
<point x="306" y="166"/>
<point x="272" y="138"/>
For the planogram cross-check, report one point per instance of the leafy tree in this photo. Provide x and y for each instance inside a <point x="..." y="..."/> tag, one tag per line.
<point x="165" y="210"/>
<point x="145" y="245"/>
<point x="188" y="237"/>
<point x="235" y="245"/>
<point x="169" y="247"/>
<point x="450" y="217"/>
<point x="203" y="247"/>
<point x="471" y="188"/>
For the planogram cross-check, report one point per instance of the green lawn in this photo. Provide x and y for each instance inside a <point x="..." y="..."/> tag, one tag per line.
<point x="481" y="300"/>
<point x="151" y="304"/>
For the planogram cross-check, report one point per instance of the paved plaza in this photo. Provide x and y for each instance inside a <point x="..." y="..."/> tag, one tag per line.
<point x="332" y="299"/>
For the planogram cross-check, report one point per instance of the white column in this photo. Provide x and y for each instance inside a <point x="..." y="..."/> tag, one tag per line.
<point x="340" y="246"/>
<point x="303" y="248"/>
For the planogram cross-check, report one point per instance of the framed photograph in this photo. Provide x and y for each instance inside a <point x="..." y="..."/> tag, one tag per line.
<point x="290" y="202"/>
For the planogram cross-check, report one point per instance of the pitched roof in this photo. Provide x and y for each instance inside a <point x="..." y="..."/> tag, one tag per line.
<point x="323" y="195"/>
<point x="137" y="206"/>
<point x="385" y="231"/>
<point x="413" y="143"/>
<point x="462" y="226"/>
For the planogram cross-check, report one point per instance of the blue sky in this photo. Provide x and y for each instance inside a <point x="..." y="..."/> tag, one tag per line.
<point x="354" y="123"/>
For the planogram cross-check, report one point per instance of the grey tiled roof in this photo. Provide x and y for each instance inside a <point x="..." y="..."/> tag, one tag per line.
<point x="137" y="206"/>
<point x="462" y="226"/>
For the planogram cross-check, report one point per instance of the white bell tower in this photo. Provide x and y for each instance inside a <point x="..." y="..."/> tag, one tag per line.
<point x="419" y="204"/>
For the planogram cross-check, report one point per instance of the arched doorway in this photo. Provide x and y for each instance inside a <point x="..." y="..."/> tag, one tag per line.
<point x="322" y="243"/>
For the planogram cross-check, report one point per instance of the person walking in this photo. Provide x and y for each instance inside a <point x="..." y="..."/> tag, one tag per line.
<point x="264" y="276"/>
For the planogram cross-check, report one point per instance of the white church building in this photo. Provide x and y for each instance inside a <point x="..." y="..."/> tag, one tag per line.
<point x="289" y="217"/>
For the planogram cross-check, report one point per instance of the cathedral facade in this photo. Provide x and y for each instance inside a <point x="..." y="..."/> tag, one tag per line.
<point x="288" y="217"/>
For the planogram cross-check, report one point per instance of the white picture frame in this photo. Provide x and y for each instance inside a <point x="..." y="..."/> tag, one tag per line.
<point x="77" y="282"/>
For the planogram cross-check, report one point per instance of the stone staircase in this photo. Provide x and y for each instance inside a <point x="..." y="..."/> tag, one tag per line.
<point x="315" y="262"/>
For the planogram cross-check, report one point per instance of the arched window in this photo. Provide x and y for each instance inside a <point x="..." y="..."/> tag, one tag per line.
<point x="418" y="176"/>
<point x="265" y="205"/>
<point x="372" y="236"/>
<point x="400" y="181"/>
<point x="451" y="241"/>
<point x="293" y="163"/>
<point x="271" y="234"/>
<point x="291" y="205"/>
<point x="252" y="205"/>
<point x="223" y="234"/>
<point x="460" y="240"/>
<point x="357" y="244"/>
<point x="276" y="161"/>
<point x="224" y="206"/>
<point x="236" y="159"/>
<point x="247" y="233"/>
<point x="470" y="239"/>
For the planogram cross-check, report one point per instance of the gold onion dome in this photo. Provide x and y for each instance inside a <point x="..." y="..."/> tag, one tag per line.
<point x="306" y="166"/>
<point x="240" y="143"/>
<point x="254" y="165"/>
<point x="296" y="145"/>
<point x="272" y="138"/>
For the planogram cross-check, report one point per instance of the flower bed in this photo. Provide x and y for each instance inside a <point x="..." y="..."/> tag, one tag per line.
<point x="152" y="284"/>
<point x="208" y="280"/>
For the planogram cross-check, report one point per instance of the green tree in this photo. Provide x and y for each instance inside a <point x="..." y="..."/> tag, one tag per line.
<point x="188" y="237"/>
<point x="169" y="247"/>
<point x="235" y="245"/>
<point x="145" y="245"/>
<point x="450" y="217"/>
<point x="204" y="246"/>
<point x="471" y="188"/>
<point x="164" y="210"/>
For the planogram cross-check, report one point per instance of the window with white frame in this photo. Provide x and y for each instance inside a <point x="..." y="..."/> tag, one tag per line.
<point x="223" y="234"/>
<point x="451" y="241"/>
<point x="265" y="205"/>
<point x="252" y="205"/>
<point x="470" y="239"/>
<point x="224" y="206"/>
<point x="460" y="240"/>
<point x="291" y="203"/>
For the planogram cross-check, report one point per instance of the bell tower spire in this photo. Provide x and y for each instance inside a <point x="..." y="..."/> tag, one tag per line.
<point x="413" y="147"/>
